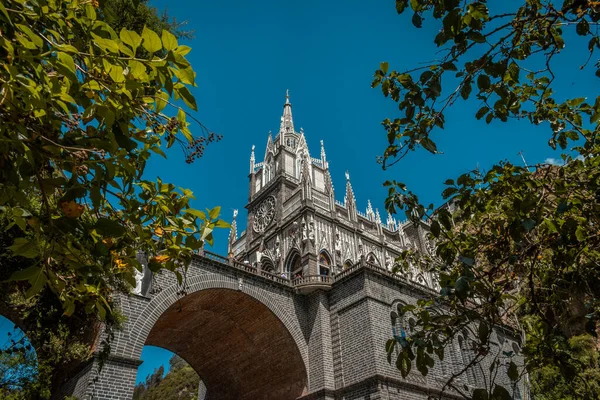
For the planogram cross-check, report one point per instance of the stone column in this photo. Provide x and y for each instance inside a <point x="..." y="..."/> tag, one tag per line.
<point x="320" y="374"/>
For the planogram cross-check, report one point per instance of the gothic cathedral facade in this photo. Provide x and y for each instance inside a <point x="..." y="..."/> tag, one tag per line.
<point x="296" y="227"/>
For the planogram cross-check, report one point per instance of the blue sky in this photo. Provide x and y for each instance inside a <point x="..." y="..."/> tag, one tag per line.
<point x="246" y="54"/>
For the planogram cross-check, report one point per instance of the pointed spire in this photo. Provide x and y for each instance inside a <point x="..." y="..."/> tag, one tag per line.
<point x="269" y="145"/>
<point x="232" y="234"/>
<point x="370" y="213"/>
<point x="252" y="159"/>
<point x="377" y="217"/>
<point x="287" y="123"/>
<point x="323" y="156"/>
<point x="349" y="199"/>
<point x="391" y="223"/>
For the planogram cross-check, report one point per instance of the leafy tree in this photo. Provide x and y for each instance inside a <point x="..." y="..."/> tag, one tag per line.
<point x="83" y="108"/>
<point x="514" y="246"/>
<point x="137" y="14"/>
<point x="181" y="382"/>
<point x="18" y="366"/>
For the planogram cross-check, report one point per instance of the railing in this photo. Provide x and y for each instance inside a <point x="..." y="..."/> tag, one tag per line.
<point x="316" y="281"/>
<point x="243" y="267"/>
<point x="216" y="257"/>
<point x="339" y="203"/>
<point x="276" y="278"/>
<point x="312" y="279"/>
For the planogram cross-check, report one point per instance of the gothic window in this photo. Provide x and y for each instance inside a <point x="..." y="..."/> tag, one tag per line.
<point x="269" y="171"/>
<point x="264" y="214"/>
<point x="267" y="265"/>
<point x="347" y="264"/>
<point x="372" y="259"/>
<point x="324" y="264"/>
<point x="298" y="166"/>
<point x="293" y="266"/>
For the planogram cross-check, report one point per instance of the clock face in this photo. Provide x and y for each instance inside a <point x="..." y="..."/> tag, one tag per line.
<point x="264" y="214"/>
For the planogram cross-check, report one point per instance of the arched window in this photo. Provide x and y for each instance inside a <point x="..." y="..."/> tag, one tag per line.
<point x="372" y="259"/>
<point x="267" y="265"/>
<point x="269" y="171"/>
<point x="293" y="265"/>
<point x="324" y="264"/>
<point x="347" y="264"/>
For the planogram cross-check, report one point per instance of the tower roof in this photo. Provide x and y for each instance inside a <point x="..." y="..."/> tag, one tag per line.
<point x="287" y="122"/>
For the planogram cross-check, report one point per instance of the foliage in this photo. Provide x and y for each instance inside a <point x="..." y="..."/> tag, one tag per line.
<point x="18" y="365"/>
<point x="550" y="384"/>
<point x="134" y="15"/>
<point x="181" y="382"/>
<point x="514" y="246"/>
<point x="83" y="108"/>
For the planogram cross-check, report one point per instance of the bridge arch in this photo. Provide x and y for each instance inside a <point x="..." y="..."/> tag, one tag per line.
<point x="237" y="337"/>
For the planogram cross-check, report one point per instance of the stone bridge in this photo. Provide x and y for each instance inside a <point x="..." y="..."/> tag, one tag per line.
<point x="250" y="334"/>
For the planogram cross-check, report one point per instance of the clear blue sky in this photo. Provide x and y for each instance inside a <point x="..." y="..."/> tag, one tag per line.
<point x="246" y="54"/>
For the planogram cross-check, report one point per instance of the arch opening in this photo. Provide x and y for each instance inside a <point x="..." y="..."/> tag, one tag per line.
<point x="239" y="348"/>
<point x="324" y="263"/>
<point x="293" y="265"/>
<point x="18" y="361"/>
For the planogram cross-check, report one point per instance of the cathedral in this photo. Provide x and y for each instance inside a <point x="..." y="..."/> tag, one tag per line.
<point x="296" y="227"/>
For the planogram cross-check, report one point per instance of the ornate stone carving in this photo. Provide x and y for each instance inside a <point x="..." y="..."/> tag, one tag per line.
<point x="264" y="214"/>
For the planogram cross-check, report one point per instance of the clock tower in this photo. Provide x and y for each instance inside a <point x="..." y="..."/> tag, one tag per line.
<point x="296" y="228"/>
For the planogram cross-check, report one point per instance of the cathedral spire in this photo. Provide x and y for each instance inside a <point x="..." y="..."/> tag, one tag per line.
<point x="252" y="159"/>
<point x="370" y="213"/>
<point x="391" y="223"/>
<point x="323" y="156"/>
<point x="349" y="199"/>
<point x="232" y="234"/>
<point x="287" y="123"/>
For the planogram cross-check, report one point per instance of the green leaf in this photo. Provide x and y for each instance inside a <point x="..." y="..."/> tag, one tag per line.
<point x="483" y="82"/>
<point x="435" y="228"/>
<point x="513" y="371"/>
<point x="417" y="21"/>
<point x="583" y="27"/>
<point x="187" y="97"/>
<point x="151" y="41"/>
<point x="196" y="213"/>
<point x="186" y="75"/>
<point x="580" y="233"/>
<point x="384" y="67"/>
<point x="500" y="393"/>
<point x="24" y="274"/>
<point x="169" y="40"/>
<point x="482" y="111"/>
<point x="214" y="213"/>
<point x="116" y="74"/>
<point x="130" y="38"/>
<point x="3" y="10"/>
<point x="37" y="41"/>
<point x="106" y="44"/>
<point x="480" y="394"/>
<point x="462" y="287"/>
<point x="24" y="247"/>
<point x="483" y="332"/>
<point x="37" y="284"/>
<point x="465" y="90"/>
<point x="161" y="101"/>
<point x="109" y="227"/>
<point x="428" y="145"/>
